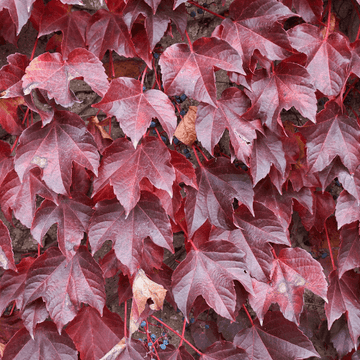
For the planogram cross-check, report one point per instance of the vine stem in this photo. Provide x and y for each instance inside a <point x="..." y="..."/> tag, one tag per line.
<point x="111" y="64"/>
<point x="189" y="41"/>
<point x="176" y="333"/>
<point x="205" y="9"/>
<point x="247" y="313"/>
<point x="330" y="250"/>
<point x="14" y="145"/>
<point x="204" y="156"/>
<point x="196" y="155"/>
<point x="125" y="318"/>
<point x="143" y="78"/>
<point x="34" y="48"/>
<point x="182" y="333"/>
<point x="328" y="21"/>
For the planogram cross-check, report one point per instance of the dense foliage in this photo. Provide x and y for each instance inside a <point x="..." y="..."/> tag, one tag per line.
<point x="238" y="173"/>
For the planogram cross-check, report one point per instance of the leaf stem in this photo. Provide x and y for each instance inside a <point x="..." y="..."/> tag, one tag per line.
<point x="176" y="333"/>
<point x="34" y="48"/>
<point x="328" y="21"/>
<point x="143" y="78"/>
<point x="125" y="318"/>
<point x="189" y="41"/>
<point x="205" y="9"/>
<point x="111" y="65"/>
<point x="247" y="313"/>
<point x="183" y="332"/>
<point x="329" y="245"/>
<point x="204" y="156"/>
<point x="196" y="155"/>
<point x="14" y="145"/>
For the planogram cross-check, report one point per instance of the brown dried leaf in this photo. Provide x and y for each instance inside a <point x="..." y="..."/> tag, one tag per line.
<point x="144" y="289"/>
<point x="185" y="131"/>
<point x="96" y="123"/>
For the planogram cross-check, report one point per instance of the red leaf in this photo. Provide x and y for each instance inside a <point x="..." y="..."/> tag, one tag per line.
<point x="147" y="218"/>
<point x="108" y="31"/>
<point x="184" y="170"/>
<point x="9" y="325"/>
<point x="72" y="24"/>
<point x="95" y="335"/>
<point x="187" y="69"/>
<point x="209" y="271"/>
<point x="277" y="339"/>
<point x="344" y="295"/>
<point x="134" y="108"/>
<point x="204" y="336"/>
<point x="347" y="209"/>
<point x="172" y="353"/>
<point x="12" y="284"/>
<point x="6" y="252"/>
<point x="333" y="135"/>
<point x="54" y="147"/>
<point x="52" y="73"/>
<point x="6" y="161"/>
<point x="267" y="152"/>
<point x="123" y="167"/>
<point x="11" y="75"/>
<point x="349" y="253"/>
<point x="64" y="285"/>
<point x="219" y="183"/>
<point x="323" y="207"/>
<point x="21" y="197"/>
<point x="293" y="271"/>
<point x="222" y="350"/>
<point x="288" y="85"/>
<point x="211" y="123"/>
<point x="46" y="342"/>
<point x="33" y="314"/>
<point x="328" y="58"/>
<point x="72" y="217"/>
<point x="9" y="119"/>
<point x="19" y="11"/>
<point x="8" y="28"/>
<point x="256" y="21"/>
<point x="309" y="10"/>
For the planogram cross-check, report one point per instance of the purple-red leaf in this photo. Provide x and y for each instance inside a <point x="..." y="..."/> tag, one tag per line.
<point x="54" y="147"/>
<point x="189" y="70"/>
<point x="123" y="168"/>
<point x="52" y="73"/>
<point x="222" y="350"/>
<point x="135" y="108"/>
<point x="47" y="344"/>
<point x="6" y="253"/>
<point x="64" y="285"/>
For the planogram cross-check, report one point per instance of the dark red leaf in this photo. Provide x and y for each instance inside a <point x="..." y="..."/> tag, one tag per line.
<point x="19" y="11"/>
<point x="323" y="207"/>
<point x="64" y="285"/>
<point x="334" y="134"/>
<point x="12" y="284"/>
<point x="9" y="119"/>
<point x="9" y="325"/>
<point x="256" y="21"/>
<point x="187" y="69"/>
<point x="293" y="271"/>
<point x="211" y="123"/>
<point x="222" y="350"/>
<point x="277" y="339"/>
<point x="209" y="271"/>
<point x="267" y="152"/>
<point x="8" y="28"/>
<point x="21" y="196"/>
<point x="72" y="24"/>
<point x="6" y="252"/>
<point x="123" y="167"/>
<point x="95" y="335"/>
<point x="52" y="73"/>
<point x="172" y="353"/>
<point x="349" y="253"/>
<point x="47" y="343"/>
<point x="54" y="148"/>
<point x="108" y="31"/>
<point x="340" y="337"/>
<point x="127" y="233"/>
<point x="344" y="295"/>
<point x="33" y="314"/>
<point x="219" y="183"/>
<point x="288" y="85"/>
<point x="328" y="58"/>
<point x="72" y="216"/>
<point x="134" y="108"/>
<point x="184" y="170"/>
<point x="309" y="10"/>
<point x="203" y="336"/>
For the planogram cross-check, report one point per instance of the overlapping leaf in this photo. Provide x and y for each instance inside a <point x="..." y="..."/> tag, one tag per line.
<point x="127" y="231"/>
<point x="52" y="73"/>
<point x="294" y="270"/>
<point x="328" y="57"/>
<point x="134" y="108"/>
<point x="309" y="10"/>
<point x="123" y="168"/>
<point x="219" y="183"/>
<point x="185" y="68"/>
<point x="6" y="253"/>
<point x="211" y="123"/>
<point x="209" y="271"/>
<point x="54" y="148"/>
<point x="64" y="285"/>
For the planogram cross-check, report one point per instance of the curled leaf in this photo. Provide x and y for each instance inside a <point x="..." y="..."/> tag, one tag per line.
<point x="185" y="131"/>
